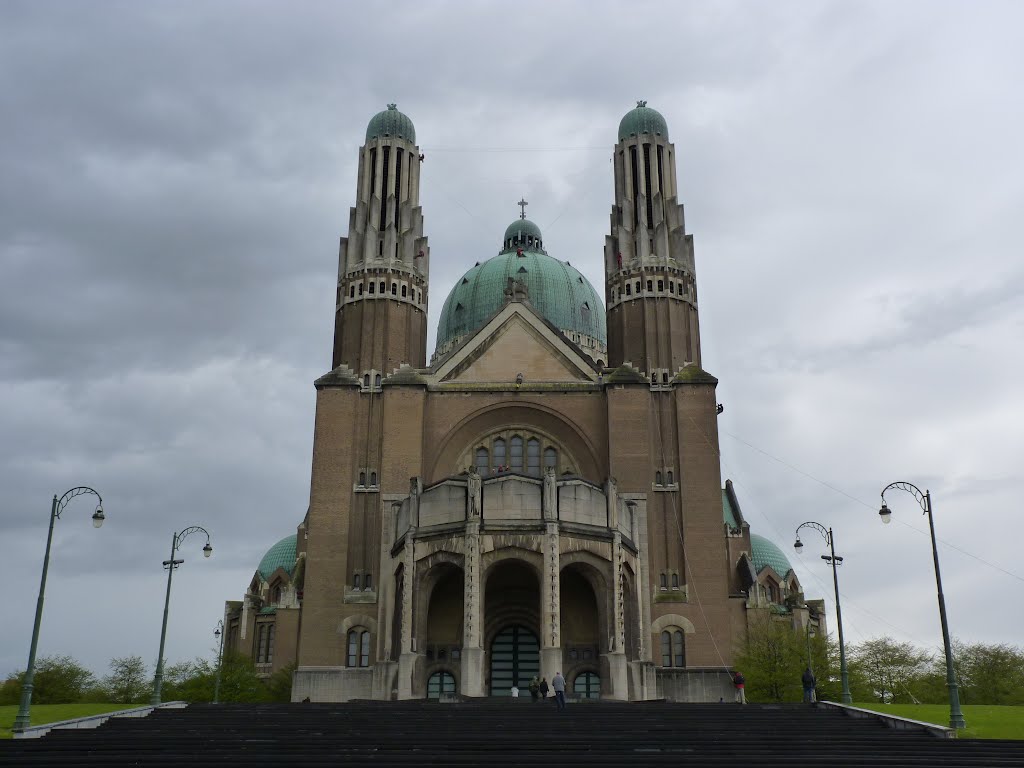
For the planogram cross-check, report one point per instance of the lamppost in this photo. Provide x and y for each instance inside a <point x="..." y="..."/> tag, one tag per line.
<point x="170" y="565"/>
<point x="22" y="720"/>
<point x="956" y="717"/>
<point x="219" y="634"/>
<point x="834" y="560"/>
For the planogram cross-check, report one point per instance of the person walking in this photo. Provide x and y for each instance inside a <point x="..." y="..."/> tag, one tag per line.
<point x="535" y="688"/>
<point x="809" y="683"/>
<point x="558" y="683"/>
<point x="544" y="688"/>
<point x="738" y="682"/>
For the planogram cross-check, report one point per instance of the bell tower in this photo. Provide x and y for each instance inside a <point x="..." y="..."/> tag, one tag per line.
<point x="384" y="263"/>
<point x="651" y="288"/>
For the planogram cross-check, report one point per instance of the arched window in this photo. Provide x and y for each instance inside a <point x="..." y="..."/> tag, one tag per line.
<point x="360" y="289"/>
<point x="550" y="458"/>
<point x="661" y="285"/>
<point x="663" y="581"/>
<point x="628" y="290"/>
<point x="357" y="581"/>
<point x="499" y="452"/>
<point x="367" y="582"/>
<point x="673" y="648"/>
<point x="373" y="479"/>
<point x="657" y="478"/>
<point x="533" y="456"/>
<point x="394" y="289"/>
<point x="440" y="683"/>
<point x="376" y="381"/>
<point x="483" y="465"/>
<point x="671" y="480"/>
<point x="358" y="648"/>
<point x="383" y="286"/>
<point x="675" y="581"/>
<point x="405" y="291"/>
<point x="275" y="595"/>
<point x="587" y="685"/>
<point x="352" y="292"/>
<point x="516" y="454"/>
<point x="649" y="285"/>
<point x="362" y="479"/>
<point x="372" y="285"/>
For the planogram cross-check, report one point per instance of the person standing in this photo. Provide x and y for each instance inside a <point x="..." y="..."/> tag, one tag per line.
<point x="738" y="682"/>
<point x="558" y="683"/>
<point x="534" y="688"/>
<point x="809" y="682"/>
<point x="544" y="688"/>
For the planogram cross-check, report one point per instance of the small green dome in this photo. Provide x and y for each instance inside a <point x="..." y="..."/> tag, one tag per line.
<point x="563" y="296"/>
<point x="391" y="122"/>
<point x="764" y="552"/>
<point x="520" y="231"/>
<point x="642" y="119"/>
<point x="281" y="555"/>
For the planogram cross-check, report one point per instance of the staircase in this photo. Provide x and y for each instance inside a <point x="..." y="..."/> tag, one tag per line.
<point x="501" y="733"/>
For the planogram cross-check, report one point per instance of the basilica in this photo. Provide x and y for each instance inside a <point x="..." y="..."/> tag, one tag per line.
<point x="543" y="494"/>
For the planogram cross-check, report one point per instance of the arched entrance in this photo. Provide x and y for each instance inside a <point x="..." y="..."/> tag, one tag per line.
<point x="440" y="683"/>
<point x="511" y="624"/>
<point x="587" y="685"/>
<point x="515" y="659"/>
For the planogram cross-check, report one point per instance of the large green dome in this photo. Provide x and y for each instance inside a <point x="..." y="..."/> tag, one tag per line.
<point x="764" y="552"/>
<point x="563" y="296"/>
<point x="391" y="122"/>
<point x="642" y="119"/>
<point x="281" y="555"/>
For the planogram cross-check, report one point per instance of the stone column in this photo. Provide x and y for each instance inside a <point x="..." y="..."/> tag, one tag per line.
<point x="618" y="687"/>
<point x="472" y="650"/>
<point x="550" y="608"/>
<point x="407" y="661"/>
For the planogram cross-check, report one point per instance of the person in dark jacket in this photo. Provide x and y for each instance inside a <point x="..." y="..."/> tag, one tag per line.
<point x="809" y="682"/>
<point x="738" y="682"/>
<point x="544" y="688"/>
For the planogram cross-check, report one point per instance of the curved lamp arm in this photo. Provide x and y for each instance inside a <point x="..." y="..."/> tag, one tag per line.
<point x="825" y="534"/>
<point x="180" y="537"/>
<point x="901" y="485"/>
<point x="97" y="518"/>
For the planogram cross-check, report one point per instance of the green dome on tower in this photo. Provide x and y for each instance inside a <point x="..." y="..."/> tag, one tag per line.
<point x="391" y="122"/>
<point x="281" y="555"/>
<point x="642" y="119"/>
<point x="562" y="295"/>
<point x="764" y="552"/>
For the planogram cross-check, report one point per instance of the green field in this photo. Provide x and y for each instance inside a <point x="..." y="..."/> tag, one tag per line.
<point x="983" y="721"/>
<point x="51" y="713"/>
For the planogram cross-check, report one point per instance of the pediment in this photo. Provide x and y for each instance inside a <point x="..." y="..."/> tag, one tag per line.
<point x="517" y="341"/>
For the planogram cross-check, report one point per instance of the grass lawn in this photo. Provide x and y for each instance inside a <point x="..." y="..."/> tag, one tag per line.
<point x="983" y="721"/>
<point x="51" y="713"/>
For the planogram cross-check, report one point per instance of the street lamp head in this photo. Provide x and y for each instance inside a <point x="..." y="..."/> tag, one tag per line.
<point x="207" y="550"/>
<point x="98" y="517"/>
<point x="885" y="513"/>
<point x="216" y="632"/>
<point x="799" y="547"/>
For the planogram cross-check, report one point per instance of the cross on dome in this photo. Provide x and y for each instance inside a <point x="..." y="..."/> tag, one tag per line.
<point x="522" y="204"/>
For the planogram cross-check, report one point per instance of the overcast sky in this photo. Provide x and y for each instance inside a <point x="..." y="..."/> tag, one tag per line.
<point x="174" y="177"/>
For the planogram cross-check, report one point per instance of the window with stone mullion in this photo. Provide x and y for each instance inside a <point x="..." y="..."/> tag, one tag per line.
<point x="516" y="454"/>
<point x="533" y="456"/>
<point x="499" y="452"/>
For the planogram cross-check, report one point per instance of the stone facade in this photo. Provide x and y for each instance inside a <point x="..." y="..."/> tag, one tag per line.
<point x="517" y="508"/>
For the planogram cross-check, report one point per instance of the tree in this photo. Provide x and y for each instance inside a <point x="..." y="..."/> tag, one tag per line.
<point x="128" y="681"/>
<point x="774" y="655"/>
<point x="59" y="680"/>
<point x="987" y="674"/>
<point x="280" y="684"/>
<point x="893" y="672"/>
<point x="10" y="689"/>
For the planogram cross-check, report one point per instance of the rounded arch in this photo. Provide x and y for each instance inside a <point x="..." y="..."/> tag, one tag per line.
<point x="442" y="581"/>
<point x="504" y="555"/>
<point x="359" y="620"/>
<point x="498" y="416"/>
<point x="672" y="620"/>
